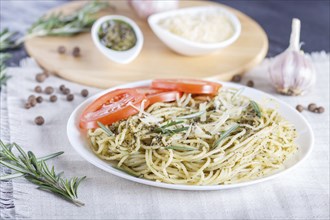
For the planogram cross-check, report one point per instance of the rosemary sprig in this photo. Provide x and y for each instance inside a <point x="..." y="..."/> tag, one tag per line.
<point x="169" y="131"/>
<point x="163" y="129"/>
<point x="171" y="123"/>
<point x="256" y="108"/>
<point x="3" y="68"/>
<point x="224" y="135"/>
<point x="105" y="129"/>
<point x="7" y="40"/>
<point x="180" y="148"/>
<point x="37" y="171"/>
<point x="66" y="25"/>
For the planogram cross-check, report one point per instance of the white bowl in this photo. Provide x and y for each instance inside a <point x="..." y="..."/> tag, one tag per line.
<point x="187" y="47"/>
<point x="122" y="57"/>
<point x="305" y="139"/>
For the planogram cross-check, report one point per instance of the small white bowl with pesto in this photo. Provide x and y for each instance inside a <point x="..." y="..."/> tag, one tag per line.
<point x="118" y="38"/>
<point x="196" y="30"/>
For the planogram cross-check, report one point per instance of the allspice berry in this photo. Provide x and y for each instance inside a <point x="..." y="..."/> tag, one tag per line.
<point x="84" y="92"/>
<point x="49" y="90"/>
<point x="312" y="107"/>
<point x="236" y="78"/>
<point x="250" y="83"/>
<point x="33" y="102"/>
<point x="76" y="52"/>
<point x="299" y="108"/>
<point x="31" y="97"/>
<point x="70" y="97"/>
<point x="320" y="109"/>
<point x="39" y="120"/>
<point x="62" y="87"/>
<point x="39" y="99"/>
<point x="66" y="91"/>
<point x="46" y="73"/>
<point x="38" y="89"/>
<point x="27" y="105"/>
<point x="61" y="50"/>
<point x="53" y="98"/>
<point x="40" y="77"/>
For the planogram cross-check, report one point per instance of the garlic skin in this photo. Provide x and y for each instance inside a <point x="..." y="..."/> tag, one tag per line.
<point x="145" y="8"/>
<point x="291" y="72"/>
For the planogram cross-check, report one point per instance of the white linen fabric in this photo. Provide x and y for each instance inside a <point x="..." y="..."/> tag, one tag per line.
<point x="302" y="193"/>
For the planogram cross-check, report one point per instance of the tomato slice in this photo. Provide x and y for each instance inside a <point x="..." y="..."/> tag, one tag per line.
<point x="193" y="86"/>
<point x="111" y="107"/>
<point x="158" y="95"/>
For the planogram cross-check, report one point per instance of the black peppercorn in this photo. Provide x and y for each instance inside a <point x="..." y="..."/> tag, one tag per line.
<point x="31" y="97"/>
<point x="61" y="50"/>
<point x="66" y="91"/>
<point x="250" y="83"/>
<point x="312" y="107"/>
<point x="53" y="98"/>
<point x="84" y="92"/>
<point x="62" y="87"/>
<point x="39" y="99"/>
<point x="40" y="77"/>
<point x="320" y="109"/>
<point x="70" y="97"/>
<point x="39" y="120"/>
<point x="49" y="90"/>
<point x="76" y="52"/>
<point x="27" y="105"/>
<point x="236" y="78"/>
<point x="38" y="89"/>
<point x="299" y="108"/>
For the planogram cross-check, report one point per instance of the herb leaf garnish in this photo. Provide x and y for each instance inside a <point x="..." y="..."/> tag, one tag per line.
<point x="105" y="129"/>
<point x="37" y="171"/>
<point x="224" y="135"/>
<point x="256" y="108"/>
<point x="66" y="25"/>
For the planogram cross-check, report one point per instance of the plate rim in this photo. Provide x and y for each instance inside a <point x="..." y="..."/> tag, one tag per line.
<point x="71" y="124"/>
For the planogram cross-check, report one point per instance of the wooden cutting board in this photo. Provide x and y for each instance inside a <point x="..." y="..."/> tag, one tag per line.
<point x="155" y="59"/>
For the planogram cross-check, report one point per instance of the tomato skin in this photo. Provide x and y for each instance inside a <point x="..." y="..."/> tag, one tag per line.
<point x="112" y="107"/>
<point x="158" y="95"/>
<point x="187" y="85"/>
<point x="164" y="97"/>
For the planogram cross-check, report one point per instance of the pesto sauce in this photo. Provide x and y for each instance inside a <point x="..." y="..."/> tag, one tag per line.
<point x="117" y="35"/>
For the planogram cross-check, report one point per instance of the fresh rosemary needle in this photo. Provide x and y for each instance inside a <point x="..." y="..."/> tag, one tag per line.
<point x="37" y="171"/>
<point x="66" y="25"/>
<point x="105" y="129"/>
<point x="224" y="135"/>
<point x="7" y="40"/>
<point x="256" y="108"/>
<point x="3" y="68"/>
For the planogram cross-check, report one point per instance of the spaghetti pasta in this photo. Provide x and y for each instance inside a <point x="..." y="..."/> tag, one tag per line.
<point x="199" y="140"/>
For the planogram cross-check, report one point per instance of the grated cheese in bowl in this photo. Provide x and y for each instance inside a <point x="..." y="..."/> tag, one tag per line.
<point x="202" y="27"/>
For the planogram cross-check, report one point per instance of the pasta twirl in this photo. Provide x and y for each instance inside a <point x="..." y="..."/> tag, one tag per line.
<point x="199" y="140"/>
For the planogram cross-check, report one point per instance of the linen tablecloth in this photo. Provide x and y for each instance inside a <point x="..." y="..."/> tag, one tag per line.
<point x="302" y="193"/>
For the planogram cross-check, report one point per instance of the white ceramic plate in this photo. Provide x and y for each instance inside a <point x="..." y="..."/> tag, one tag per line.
<point x="305" y="139"/>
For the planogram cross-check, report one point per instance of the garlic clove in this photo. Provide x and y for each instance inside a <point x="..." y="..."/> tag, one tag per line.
<point x="292" y="72"/>
<point x="145" y="8"/>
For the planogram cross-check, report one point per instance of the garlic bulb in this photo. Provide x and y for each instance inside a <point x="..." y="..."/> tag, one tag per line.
<point x="291" y="72"/>
<point x="144" y="8"/>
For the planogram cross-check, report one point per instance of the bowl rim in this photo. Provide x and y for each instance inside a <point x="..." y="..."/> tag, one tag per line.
<point x="153" y="19"/>
<point x="125" y="56"/>
<point x="104" y="165"/>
